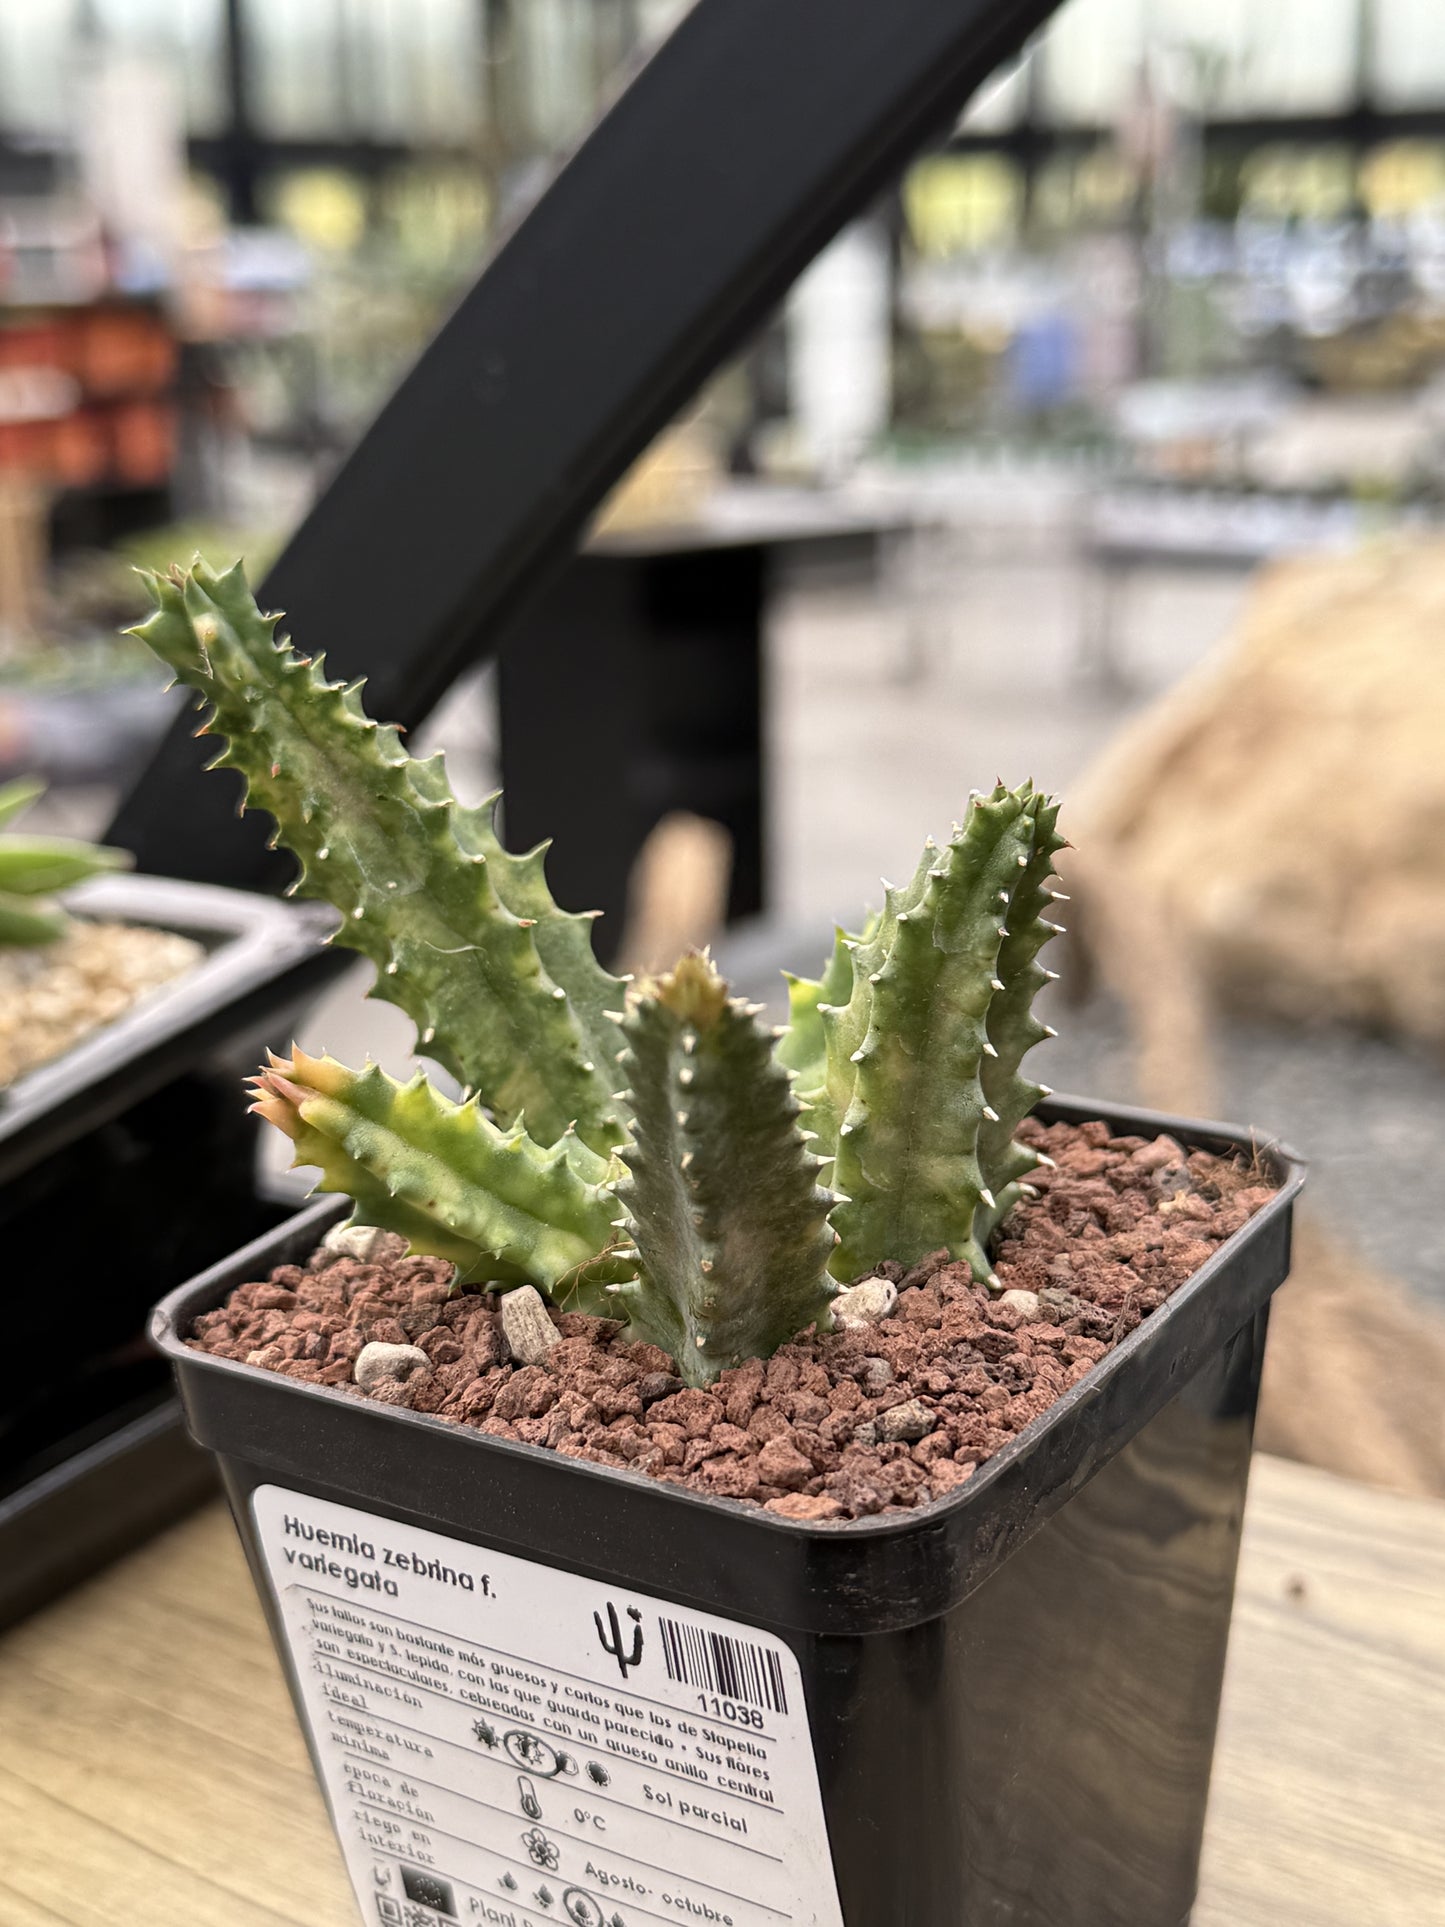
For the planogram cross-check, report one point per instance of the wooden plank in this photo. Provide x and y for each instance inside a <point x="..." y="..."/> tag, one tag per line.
<point x="1328" y="1807"/>
<point x="17" y="1911"/>
<point x="132" y="1710"/>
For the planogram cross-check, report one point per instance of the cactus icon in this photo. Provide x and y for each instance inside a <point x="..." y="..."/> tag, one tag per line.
<point x="610" y="1637"/>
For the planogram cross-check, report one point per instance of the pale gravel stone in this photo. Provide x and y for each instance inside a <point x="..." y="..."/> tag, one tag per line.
<point x="54" y="994"/>
<point x="399" y="1363"/>
<point x="367" y="1243"/>
<point x="864" y="1304"/>
<point x="529" y="1332"/>
<point x="906" y="1423"/>
<point x="1025" y="1303"/>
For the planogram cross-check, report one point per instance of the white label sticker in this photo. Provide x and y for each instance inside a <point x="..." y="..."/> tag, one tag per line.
<point x="504" y="1742"/>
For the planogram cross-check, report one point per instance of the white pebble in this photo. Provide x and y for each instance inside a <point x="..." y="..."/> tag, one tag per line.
<point x="367" y="1243"/>
<point x="1026" y="1303"/>
<point x="864" y="1303"/>
<point x="399" y="1363"/>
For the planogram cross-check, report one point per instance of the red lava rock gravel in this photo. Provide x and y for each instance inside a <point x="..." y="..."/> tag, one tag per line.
<point x="859" y="1422"/>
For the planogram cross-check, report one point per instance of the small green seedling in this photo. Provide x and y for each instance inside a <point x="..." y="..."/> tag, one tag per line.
<point x="645" y="1150"/>
<point x="34" y="868"/>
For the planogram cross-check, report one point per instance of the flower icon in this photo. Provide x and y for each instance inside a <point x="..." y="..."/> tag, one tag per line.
<point x="543" y="1852"/>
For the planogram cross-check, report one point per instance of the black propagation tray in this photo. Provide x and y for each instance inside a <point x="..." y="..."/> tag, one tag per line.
<point x="126" y="1160"/>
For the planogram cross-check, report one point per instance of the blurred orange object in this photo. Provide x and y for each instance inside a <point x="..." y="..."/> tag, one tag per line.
<point x="143" y="445"/>
<point x="79" y="449"/>
<point x="124" y="351"/>
<point x="84" y="397"/>
<point x="34" y="344"/>
<point x="25" y="447"/>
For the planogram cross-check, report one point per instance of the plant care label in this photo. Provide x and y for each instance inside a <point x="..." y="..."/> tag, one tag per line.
<point x="503" y="1742"/>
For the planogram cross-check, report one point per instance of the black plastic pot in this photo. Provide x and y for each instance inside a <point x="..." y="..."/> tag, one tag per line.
<point x="96" y="1148"/>
<point x="1011" y="1693"/>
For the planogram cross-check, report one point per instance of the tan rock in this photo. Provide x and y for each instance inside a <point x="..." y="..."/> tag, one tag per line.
<point x="1025" y="1303"/>
<point x="367" y="1243"/>
<point x="528" y="1330"/>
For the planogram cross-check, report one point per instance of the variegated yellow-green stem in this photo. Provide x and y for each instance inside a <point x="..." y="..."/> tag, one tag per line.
<point x="721" y="1194"/>
<point x="502" y="985"/>
<point x="495" y="1203"/>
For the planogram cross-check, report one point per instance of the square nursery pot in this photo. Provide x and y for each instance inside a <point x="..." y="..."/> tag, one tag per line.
<point x="96" y="1149"/>
<point x="538" y="1689"/>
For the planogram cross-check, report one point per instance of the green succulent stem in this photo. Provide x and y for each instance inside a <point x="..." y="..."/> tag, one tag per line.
<point x="721" y="1192"/>
<point x="802" y="1048"/>
<point x="499" y="1206"/>
<point x="907" y="1052"/>
<point x="914" y="1038"/>
<point x="1013" y="1028"/>
<point x="501" y="984"/>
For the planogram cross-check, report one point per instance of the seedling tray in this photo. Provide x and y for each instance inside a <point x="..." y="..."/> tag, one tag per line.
<point x="260" y="955"/>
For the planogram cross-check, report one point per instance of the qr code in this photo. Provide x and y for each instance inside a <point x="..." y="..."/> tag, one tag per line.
<point x="389" y="1909"/>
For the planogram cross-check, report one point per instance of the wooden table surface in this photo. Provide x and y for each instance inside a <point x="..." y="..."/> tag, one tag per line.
<point x="117" y="1750"/>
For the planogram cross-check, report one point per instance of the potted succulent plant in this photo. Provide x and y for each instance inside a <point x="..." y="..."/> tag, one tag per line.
<point x="720" y="1473"/>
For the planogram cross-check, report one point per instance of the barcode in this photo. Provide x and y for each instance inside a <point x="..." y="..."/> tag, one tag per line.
<point x="735" y="1669"/>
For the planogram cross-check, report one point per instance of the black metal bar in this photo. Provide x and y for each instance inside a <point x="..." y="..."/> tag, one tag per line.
<point x="663" y="711"/>
<point x="238" y="150"/>
<point x="748" y="140"/>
